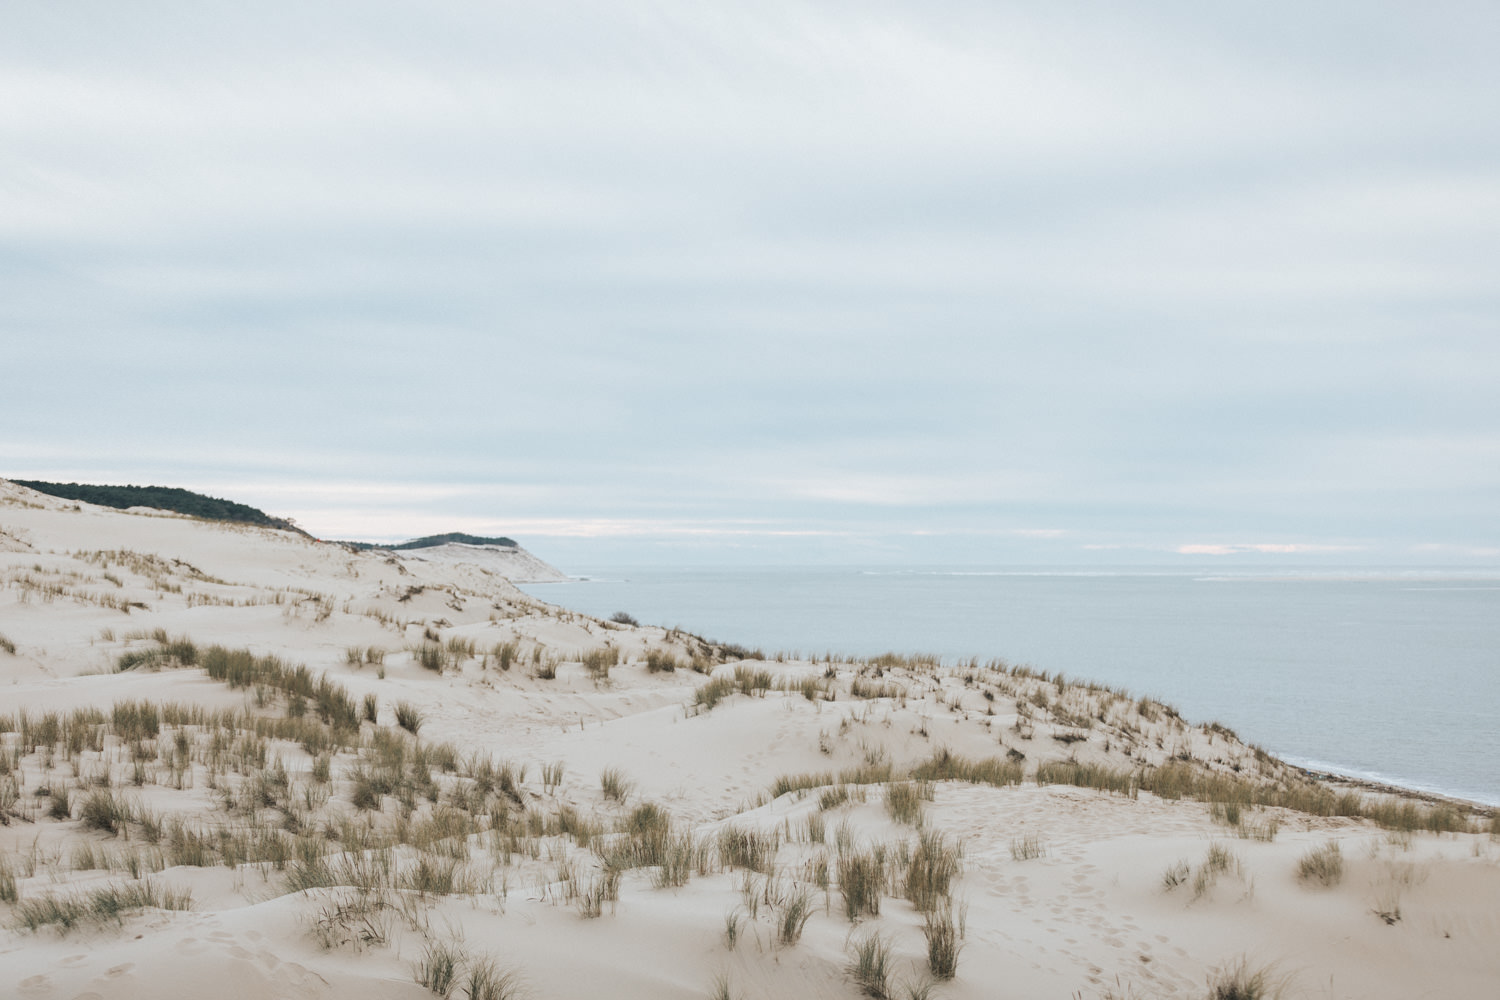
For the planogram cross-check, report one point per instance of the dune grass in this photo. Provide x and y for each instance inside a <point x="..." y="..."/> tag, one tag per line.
<point x="934" y="864"/>
<point x="1238" y="980"/>
<point x="68" y="911"/>
<point x="1323" y="865"/>
<point x="862" y="881"/>
<point x="872" y="966"/>
<point x="944" y="934"/>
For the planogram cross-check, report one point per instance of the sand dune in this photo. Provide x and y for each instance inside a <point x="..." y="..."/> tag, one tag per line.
<point x="582" y="825"/>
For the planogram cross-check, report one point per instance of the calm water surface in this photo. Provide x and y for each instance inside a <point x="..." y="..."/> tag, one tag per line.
<point x="1392" y="675"/>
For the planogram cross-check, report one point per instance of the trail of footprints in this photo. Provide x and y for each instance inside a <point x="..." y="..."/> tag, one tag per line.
<point x="289" y="980"/>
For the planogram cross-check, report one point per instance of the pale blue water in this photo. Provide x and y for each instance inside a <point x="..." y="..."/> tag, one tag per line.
<point x="1392" y="675"/>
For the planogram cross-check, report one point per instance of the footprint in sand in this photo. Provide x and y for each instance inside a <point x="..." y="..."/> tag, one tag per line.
<point x="90" y="995"/>
<point x="73" y="960"/>
<point x="35" y="986"/>
<point x="119" y="970"/>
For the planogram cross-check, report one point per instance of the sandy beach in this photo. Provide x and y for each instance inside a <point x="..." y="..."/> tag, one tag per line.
<point x="238" y="761"/>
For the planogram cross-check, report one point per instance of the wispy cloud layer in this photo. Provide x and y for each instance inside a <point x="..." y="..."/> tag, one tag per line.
<point x="913" y="283"/>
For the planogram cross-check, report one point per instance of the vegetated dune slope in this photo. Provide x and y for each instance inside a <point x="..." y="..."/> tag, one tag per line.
<point x="590" y="809"/>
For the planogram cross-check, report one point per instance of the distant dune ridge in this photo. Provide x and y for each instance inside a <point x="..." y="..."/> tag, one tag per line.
<point x="499" y="555"/>
<point x="230" y="752"/>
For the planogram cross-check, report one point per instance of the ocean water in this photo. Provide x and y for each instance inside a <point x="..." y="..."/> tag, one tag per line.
<point x="1392" y="675"/>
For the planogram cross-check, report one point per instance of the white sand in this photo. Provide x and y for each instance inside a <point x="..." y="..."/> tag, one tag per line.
<point x="1089" y="917"/>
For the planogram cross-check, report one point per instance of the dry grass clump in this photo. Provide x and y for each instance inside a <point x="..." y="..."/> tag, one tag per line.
<point x="934" y="864"/>
<point x="945" y="765"/>
<point x="752" y="849"/>
<point x="7" y="645"/>
<point x="353" y="918"/>
<point x="903" y="800"/>
<point x="1179" y="780"/>
<point x="358" y="656"/>
<point x="408" y="717"/>
<point x="862" y="880"/>
<point x="439" y="967"/>
<point x="432" y="656"/>
<point x="615" y="786"/>
<point x="872" y="966"/>
<point x="1238" y="981"/>
<point x="167" y="653"/>
<point x="1324" y="865"/>
<point x="102" y="810"/>
<point x="243" y="669"/>
<point x="647" y="838"/>
<point x="1219" y="860"/>
<point x="1028" y="847"/>
<point x="503" y="654"/>
<point x="598" y="662"/>
<point x="486" y="980"/>
<point x="660" y="661"/>
<point x="745" y="679"/>
<point x="1098" y="776"/>
<point x="944" y="934"/>
<point x="870" y="690"/>
<point x="98" y="906"/>
<point x="792" y="915"/>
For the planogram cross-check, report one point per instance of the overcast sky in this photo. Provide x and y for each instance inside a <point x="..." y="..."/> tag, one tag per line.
<point x="768" y="282"/>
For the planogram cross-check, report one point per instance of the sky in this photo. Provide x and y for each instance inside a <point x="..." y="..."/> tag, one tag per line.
<point x="769" y="283"/>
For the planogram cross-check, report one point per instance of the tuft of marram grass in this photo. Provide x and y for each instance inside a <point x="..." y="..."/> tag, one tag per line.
<point x="903" y="800"/>
<point x="485" y="980"/>
<point x="930" y="872"/>
<point x="660" y="661"/>
<point x="872" y="965"/>
<point x="792" y="915"/>
<point x="1323" y="865"/>
<point x="109" y="903"/>
<point x="862" y="880"/>
<point x="1028" y="847"/>
<point x="752" y="849"/>
<point x="944" y="935"/>
<point x="1238" y="980"/>
<point x="615" y="786"/>
<point x="408" y="717"/>
<point x="438" y="968"/>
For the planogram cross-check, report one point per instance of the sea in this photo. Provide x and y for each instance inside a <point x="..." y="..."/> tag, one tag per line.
<point x="1390" y="675"/>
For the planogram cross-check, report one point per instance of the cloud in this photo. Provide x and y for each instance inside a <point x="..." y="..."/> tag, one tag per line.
<point x="874" y="273"/>
<point x="1262" y="548"/>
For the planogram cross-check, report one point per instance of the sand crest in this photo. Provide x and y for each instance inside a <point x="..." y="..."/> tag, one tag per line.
<point x="591" y="809"/>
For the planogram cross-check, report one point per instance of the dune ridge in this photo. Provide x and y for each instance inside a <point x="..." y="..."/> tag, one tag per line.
<point x="338" y="774"/>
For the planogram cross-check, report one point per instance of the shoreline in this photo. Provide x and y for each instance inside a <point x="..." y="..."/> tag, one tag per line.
<point x="1303" y="669"/>
<point x="1398" y="791"/>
